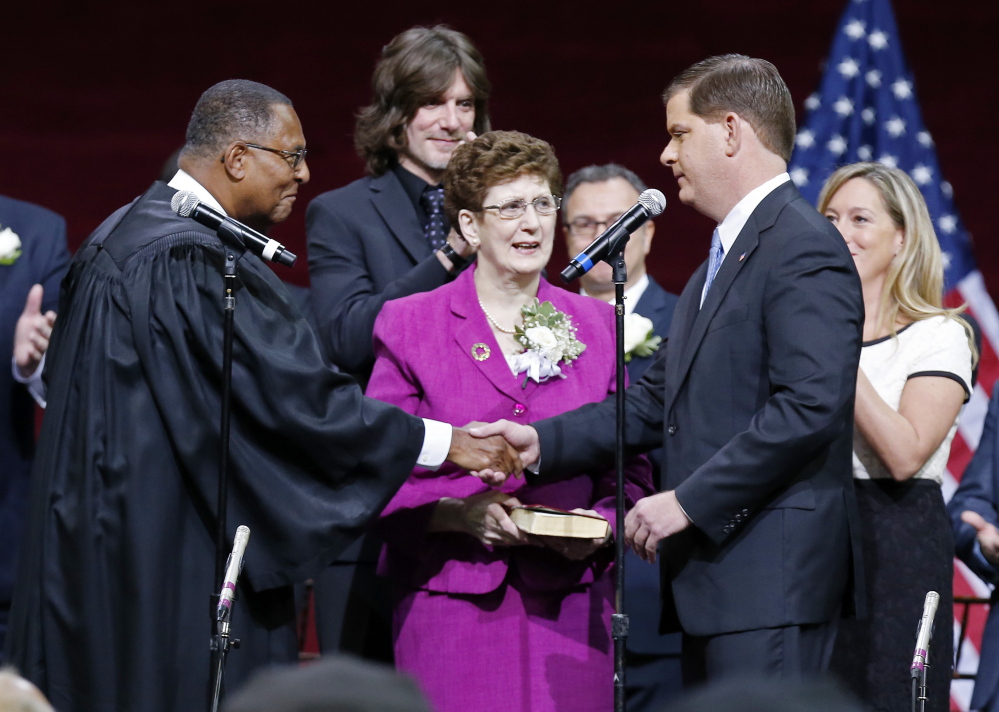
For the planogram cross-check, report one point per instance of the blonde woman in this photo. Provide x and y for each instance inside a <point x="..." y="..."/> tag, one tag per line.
<point x="915" y="374"/>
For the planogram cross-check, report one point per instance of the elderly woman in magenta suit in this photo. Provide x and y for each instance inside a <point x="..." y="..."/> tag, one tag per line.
<point x="488" y="618"/>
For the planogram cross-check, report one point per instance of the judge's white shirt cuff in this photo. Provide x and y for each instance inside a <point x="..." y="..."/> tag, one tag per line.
<point x="436" y="444"/>
<point x="34" y="383"/>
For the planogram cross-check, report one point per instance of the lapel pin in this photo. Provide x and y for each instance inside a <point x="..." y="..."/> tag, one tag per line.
<point x="742" y="256"/>
<point x="480" y="352"/>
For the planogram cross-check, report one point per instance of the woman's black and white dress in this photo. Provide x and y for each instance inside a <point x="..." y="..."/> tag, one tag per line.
<point x="908" y="545"/>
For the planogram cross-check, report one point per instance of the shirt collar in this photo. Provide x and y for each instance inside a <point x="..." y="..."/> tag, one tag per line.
<point x="411" y="183"/>
<point x="631" y="295"/>
<point x="184" y="181"/>
<point x="731" y="226"/>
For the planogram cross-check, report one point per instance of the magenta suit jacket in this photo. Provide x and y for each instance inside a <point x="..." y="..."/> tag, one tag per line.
<point x="424" y="364"/>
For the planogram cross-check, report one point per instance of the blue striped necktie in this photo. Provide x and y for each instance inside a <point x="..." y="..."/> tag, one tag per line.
<point x="714" y="262"/>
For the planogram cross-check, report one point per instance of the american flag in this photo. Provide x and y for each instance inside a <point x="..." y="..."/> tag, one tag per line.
<point x="866" y="110"/>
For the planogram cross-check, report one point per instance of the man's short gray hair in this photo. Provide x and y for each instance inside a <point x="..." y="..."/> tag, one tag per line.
<point x="599" y="174"/>
<point x="233" y="110"/>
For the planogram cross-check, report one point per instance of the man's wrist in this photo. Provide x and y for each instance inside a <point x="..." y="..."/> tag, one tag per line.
<point x="458" y="263"/>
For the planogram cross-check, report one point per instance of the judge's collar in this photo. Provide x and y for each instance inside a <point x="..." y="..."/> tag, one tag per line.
<point x="183" y="181"/>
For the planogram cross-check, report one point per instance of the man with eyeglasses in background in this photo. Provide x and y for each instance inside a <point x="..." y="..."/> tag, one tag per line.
<point x="596" y="196"/>
<point x="111" y="607"/>
<point x="382" y="237"/>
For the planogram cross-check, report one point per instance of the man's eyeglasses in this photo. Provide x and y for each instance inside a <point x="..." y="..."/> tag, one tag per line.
<point x="545" y="205"/>
<point x="299" y="155"/>
<point x="587" y="227"/>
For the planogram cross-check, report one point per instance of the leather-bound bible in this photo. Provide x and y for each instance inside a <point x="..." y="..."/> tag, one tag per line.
<point x="548" y="521"/>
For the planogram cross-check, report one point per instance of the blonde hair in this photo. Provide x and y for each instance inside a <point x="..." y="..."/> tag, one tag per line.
<point x="913" y="287"/>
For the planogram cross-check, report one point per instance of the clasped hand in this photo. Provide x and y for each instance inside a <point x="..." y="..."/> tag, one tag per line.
<point x="651" y="520"/>
<point x="987" y="534"/>
<point x="486" y="517"/>
<point x="490" y="458"/>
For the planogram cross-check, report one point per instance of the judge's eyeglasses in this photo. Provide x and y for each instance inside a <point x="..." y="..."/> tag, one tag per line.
<point x="299" y="155"/>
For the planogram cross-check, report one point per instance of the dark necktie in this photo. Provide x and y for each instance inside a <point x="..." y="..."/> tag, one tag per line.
<point x="432" y="200"/>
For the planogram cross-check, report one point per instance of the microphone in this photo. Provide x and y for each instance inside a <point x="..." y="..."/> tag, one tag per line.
<point x="925" y="631"/>
<point x="233" y="566"/>
<point x="186" y="204"/>
<point x="650" y="203"/>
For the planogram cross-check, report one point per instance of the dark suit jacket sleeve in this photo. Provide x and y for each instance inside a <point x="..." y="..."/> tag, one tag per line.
<point x="812" y="321"/>
<point x="345" y="295"/>
<point x="978" y="492"/>
<point x="585" y="437"/>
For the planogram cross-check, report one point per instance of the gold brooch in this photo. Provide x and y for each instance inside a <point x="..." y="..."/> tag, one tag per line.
<point x="480" y="352"/>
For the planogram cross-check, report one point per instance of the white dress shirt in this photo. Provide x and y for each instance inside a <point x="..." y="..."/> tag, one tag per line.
<point x="731" y="226"/>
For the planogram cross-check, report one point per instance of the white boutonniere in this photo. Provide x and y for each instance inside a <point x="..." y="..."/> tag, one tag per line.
<point x="10" y="246"/>
<point x="548" y="338"/>
<point x="639" y="339"/>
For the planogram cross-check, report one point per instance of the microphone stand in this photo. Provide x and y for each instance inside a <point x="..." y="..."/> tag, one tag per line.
<point x="221" y="640"/>
<point x="619" y="620"/>
<point x="919" y="696"/>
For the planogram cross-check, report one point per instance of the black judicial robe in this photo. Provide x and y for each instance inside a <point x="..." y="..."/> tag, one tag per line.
<point x="111" y="610"/>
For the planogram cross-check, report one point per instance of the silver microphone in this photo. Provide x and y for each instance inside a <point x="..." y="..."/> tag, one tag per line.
<point x="925" y="631"/>
<point x="187" y="204"/>
<point x="650" y="204"/>
<point x="233" y="566"/>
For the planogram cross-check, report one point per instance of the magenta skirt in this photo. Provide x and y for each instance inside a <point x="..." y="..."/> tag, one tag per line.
<point x="510" y="650"/>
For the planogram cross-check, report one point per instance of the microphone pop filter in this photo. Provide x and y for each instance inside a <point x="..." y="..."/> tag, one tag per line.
<point x="653" y="200"/>
<point x="184" y="202"/>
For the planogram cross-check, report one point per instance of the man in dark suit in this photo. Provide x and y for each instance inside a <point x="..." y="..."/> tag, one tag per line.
<point x="974" y="513"/>
<point x="596" y="196"/>
<point x="383" y="237"/>
<point x="752" y="400"/>
<point x="33" y="260"/>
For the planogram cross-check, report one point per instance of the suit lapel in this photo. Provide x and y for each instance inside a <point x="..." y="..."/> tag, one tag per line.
<point x="684" y="317"/>
<point x="393" y="204"/>
<point x="738" y="257"/>
<point x="472" y="329"/>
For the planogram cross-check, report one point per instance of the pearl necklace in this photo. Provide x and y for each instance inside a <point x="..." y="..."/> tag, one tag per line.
<point x="492" y="321"/>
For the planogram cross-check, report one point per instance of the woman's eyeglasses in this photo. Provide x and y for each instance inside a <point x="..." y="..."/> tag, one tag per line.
<point x="545" y="205"/>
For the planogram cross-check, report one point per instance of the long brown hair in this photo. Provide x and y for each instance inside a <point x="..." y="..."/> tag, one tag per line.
<point x="416" y="68"/>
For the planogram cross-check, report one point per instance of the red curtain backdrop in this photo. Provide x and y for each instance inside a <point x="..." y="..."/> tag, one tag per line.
<point x="94" y="96"/>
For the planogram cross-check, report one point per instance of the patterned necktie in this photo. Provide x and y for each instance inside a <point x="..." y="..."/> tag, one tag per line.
<point x="432" y="200"/>
<point x="714" y="262"/>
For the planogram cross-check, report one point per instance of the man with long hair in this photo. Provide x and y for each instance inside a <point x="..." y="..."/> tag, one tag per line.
<point x="382" y="237"/>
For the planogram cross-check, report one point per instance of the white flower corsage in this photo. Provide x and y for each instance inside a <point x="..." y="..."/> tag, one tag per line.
<point x="548" y="338"/>
<point x="639" y="339"/>
<point x="10" y="246"/>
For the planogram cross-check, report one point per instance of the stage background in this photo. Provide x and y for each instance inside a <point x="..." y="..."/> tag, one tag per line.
<point x="94" y="96"/>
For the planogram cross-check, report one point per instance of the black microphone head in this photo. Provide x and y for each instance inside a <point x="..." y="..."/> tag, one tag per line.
<point x="185" y="201"/>
<point x="653" y="200"/>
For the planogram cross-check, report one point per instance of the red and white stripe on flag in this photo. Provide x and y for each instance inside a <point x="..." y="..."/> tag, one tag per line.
<point x="971" y="291"/>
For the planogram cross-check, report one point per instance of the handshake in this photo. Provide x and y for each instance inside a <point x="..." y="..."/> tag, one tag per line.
<point x="494" y="451"/>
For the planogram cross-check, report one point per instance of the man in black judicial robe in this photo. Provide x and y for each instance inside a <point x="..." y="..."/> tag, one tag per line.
<point x="111" y="610"/>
